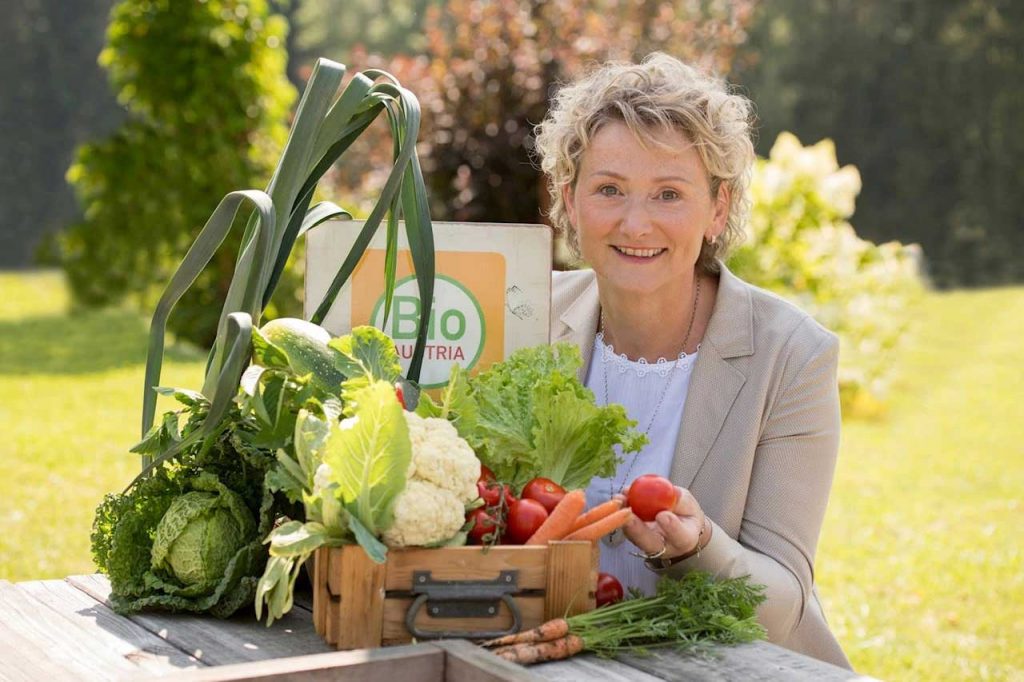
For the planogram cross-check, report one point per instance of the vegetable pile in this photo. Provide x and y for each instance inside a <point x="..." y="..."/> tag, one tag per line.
<point x="188" y="537"/>
<point x="685" y="613"/>
<point x="531" y="417"/>
<point x="188" y="532"/>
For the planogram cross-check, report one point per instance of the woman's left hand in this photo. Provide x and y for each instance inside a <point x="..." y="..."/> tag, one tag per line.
<point x="677" y="531"/>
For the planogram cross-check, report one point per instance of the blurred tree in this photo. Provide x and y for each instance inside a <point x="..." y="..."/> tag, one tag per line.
<point x="204" y="83"/>
<point x="925" y="98"/>
<point x="336" y="28"/>
<point x="52" y="97"/>
<point x="488" y="69"/>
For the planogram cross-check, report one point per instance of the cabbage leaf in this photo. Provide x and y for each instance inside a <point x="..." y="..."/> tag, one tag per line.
<point x="369" y="455"/>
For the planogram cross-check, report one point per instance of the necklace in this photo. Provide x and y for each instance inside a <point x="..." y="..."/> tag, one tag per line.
<point x="617" y="537"/>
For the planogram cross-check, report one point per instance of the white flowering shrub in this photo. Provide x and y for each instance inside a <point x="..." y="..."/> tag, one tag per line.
<point x="801" y="245"/>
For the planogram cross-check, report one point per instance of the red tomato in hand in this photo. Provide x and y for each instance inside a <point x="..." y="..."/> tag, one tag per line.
<point x="545" y="491"/>
<point x="609" y="589"/>
<point x="524" y="518"/>
<point x="650" y="494"/>
<point x="483" y="525"/>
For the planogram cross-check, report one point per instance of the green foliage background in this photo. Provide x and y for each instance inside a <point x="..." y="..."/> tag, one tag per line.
<point x="801" y="246"/>
<point x="205" y="86"/>
<point x="926" y="99"/>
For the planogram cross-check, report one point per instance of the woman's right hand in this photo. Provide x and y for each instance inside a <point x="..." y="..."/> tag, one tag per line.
<point x="676" y="531"/>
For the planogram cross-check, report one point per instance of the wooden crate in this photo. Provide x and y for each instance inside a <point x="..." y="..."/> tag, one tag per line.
<point x="359" y="604"/>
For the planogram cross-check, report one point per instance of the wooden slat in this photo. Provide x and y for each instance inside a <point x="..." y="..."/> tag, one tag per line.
<point x="320" y="590"/>
<point x="530" y="608"/>
<point x="572" y="579"/>
<point x="468" y="563"/>
<point x="220" y="642"/>
<point x="333" y="626"/>
<point x="89" y="618"/>
<point x="418" y="663"/>
<point x="466" y="662"/>
<point x="40" y="634"/>
<point x="22" y="660"/>
<point x="756" y="661"/>
<point x="360" y="584"/>
<point x="590" y="667"/>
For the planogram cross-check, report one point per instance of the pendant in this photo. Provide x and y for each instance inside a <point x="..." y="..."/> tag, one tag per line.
<point x="615" y="538"/>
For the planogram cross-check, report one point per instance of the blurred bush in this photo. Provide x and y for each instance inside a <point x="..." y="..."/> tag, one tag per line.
<point x="488" y="69"/>
<point x="204" y="85"/>
<point x="802" y="246"/>
<point x="925" y="98"/>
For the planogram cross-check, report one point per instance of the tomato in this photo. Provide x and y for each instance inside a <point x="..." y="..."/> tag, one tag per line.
<point x="486" y="474"/>
<point x="609" y="589"/>
<point x="545" y="491"/>
<point x="650" y="494"/>
<point x="483" y="525"/>
<point x="524" y="518"/>
<point x="490" y="492"/>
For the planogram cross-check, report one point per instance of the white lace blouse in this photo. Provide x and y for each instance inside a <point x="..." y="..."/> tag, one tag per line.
<point x="646" y="390"/>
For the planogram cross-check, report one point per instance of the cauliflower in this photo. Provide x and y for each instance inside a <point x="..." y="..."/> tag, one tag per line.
<point x="424" y="514"/>
<point x="442" y="479"/>
<point x="441" y="457"/>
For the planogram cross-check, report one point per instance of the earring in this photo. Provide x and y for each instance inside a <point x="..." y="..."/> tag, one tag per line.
<point x="712" y="241"/>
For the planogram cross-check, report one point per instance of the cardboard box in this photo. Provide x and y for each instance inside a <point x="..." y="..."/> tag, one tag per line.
<point x="492" y="291"/>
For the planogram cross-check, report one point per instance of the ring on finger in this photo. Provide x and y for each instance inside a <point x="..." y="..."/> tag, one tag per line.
<point x="656" y="555"/>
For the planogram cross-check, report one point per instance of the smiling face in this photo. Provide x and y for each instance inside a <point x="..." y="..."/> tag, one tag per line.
<point x="642" y="212"/>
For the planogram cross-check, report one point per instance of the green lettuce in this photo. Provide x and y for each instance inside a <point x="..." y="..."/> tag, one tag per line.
<point x="533" y="417"/>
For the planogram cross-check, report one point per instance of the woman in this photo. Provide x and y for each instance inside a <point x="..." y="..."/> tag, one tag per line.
<point x="648" y="166"/>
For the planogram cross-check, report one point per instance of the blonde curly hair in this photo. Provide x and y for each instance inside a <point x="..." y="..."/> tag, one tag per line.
<point x="659" y="93"/>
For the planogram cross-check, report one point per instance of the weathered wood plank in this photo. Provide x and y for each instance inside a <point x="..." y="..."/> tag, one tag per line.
<point x="466" y="662"/>
<point x="109" y="630"/>
<point x="468" y="563"/>
<point x="590" y="667"/>
<point x="21" y="660"/>
<point x="37" y="634"/>
<point x="755" y="661"/>
<point x="359" y="582"/>
<point x="415" y="663"/>
<point x="572" y="579"/>
<point x="221" y="642"/>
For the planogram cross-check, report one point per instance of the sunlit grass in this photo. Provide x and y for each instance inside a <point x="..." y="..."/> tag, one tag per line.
<point x="919" y="565"/>
<point x="70" y="391"/>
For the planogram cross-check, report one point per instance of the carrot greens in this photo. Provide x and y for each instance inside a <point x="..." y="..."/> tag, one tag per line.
<point x="686" y="614"/>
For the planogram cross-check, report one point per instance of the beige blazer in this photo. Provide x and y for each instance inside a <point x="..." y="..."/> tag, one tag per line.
<point x="757" y="447"/>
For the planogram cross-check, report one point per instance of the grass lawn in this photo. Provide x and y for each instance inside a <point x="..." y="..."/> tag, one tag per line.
<point x="919" y="565"/>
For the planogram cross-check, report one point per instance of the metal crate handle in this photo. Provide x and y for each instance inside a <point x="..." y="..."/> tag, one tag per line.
<point x="463" y="599"/>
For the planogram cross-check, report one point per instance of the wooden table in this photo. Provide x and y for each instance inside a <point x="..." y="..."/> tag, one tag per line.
<point x="57" y="630"/>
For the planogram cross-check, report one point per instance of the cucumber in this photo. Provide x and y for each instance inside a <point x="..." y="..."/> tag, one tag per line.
<point x="308" y="353"/>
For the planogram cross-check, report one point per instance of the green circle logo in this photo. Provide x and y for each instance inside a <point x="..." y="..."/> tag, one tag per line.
<point x="455" y="333"/>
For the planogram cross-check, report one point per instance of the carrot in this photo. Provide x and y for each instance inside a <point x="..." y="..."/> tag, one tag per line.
<point x="602" y="527"/>
<point x="597" y="513"/>
<point x="555" y="650"/>
<point x="553" y="629"/>
<point x="560" y="520"/>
